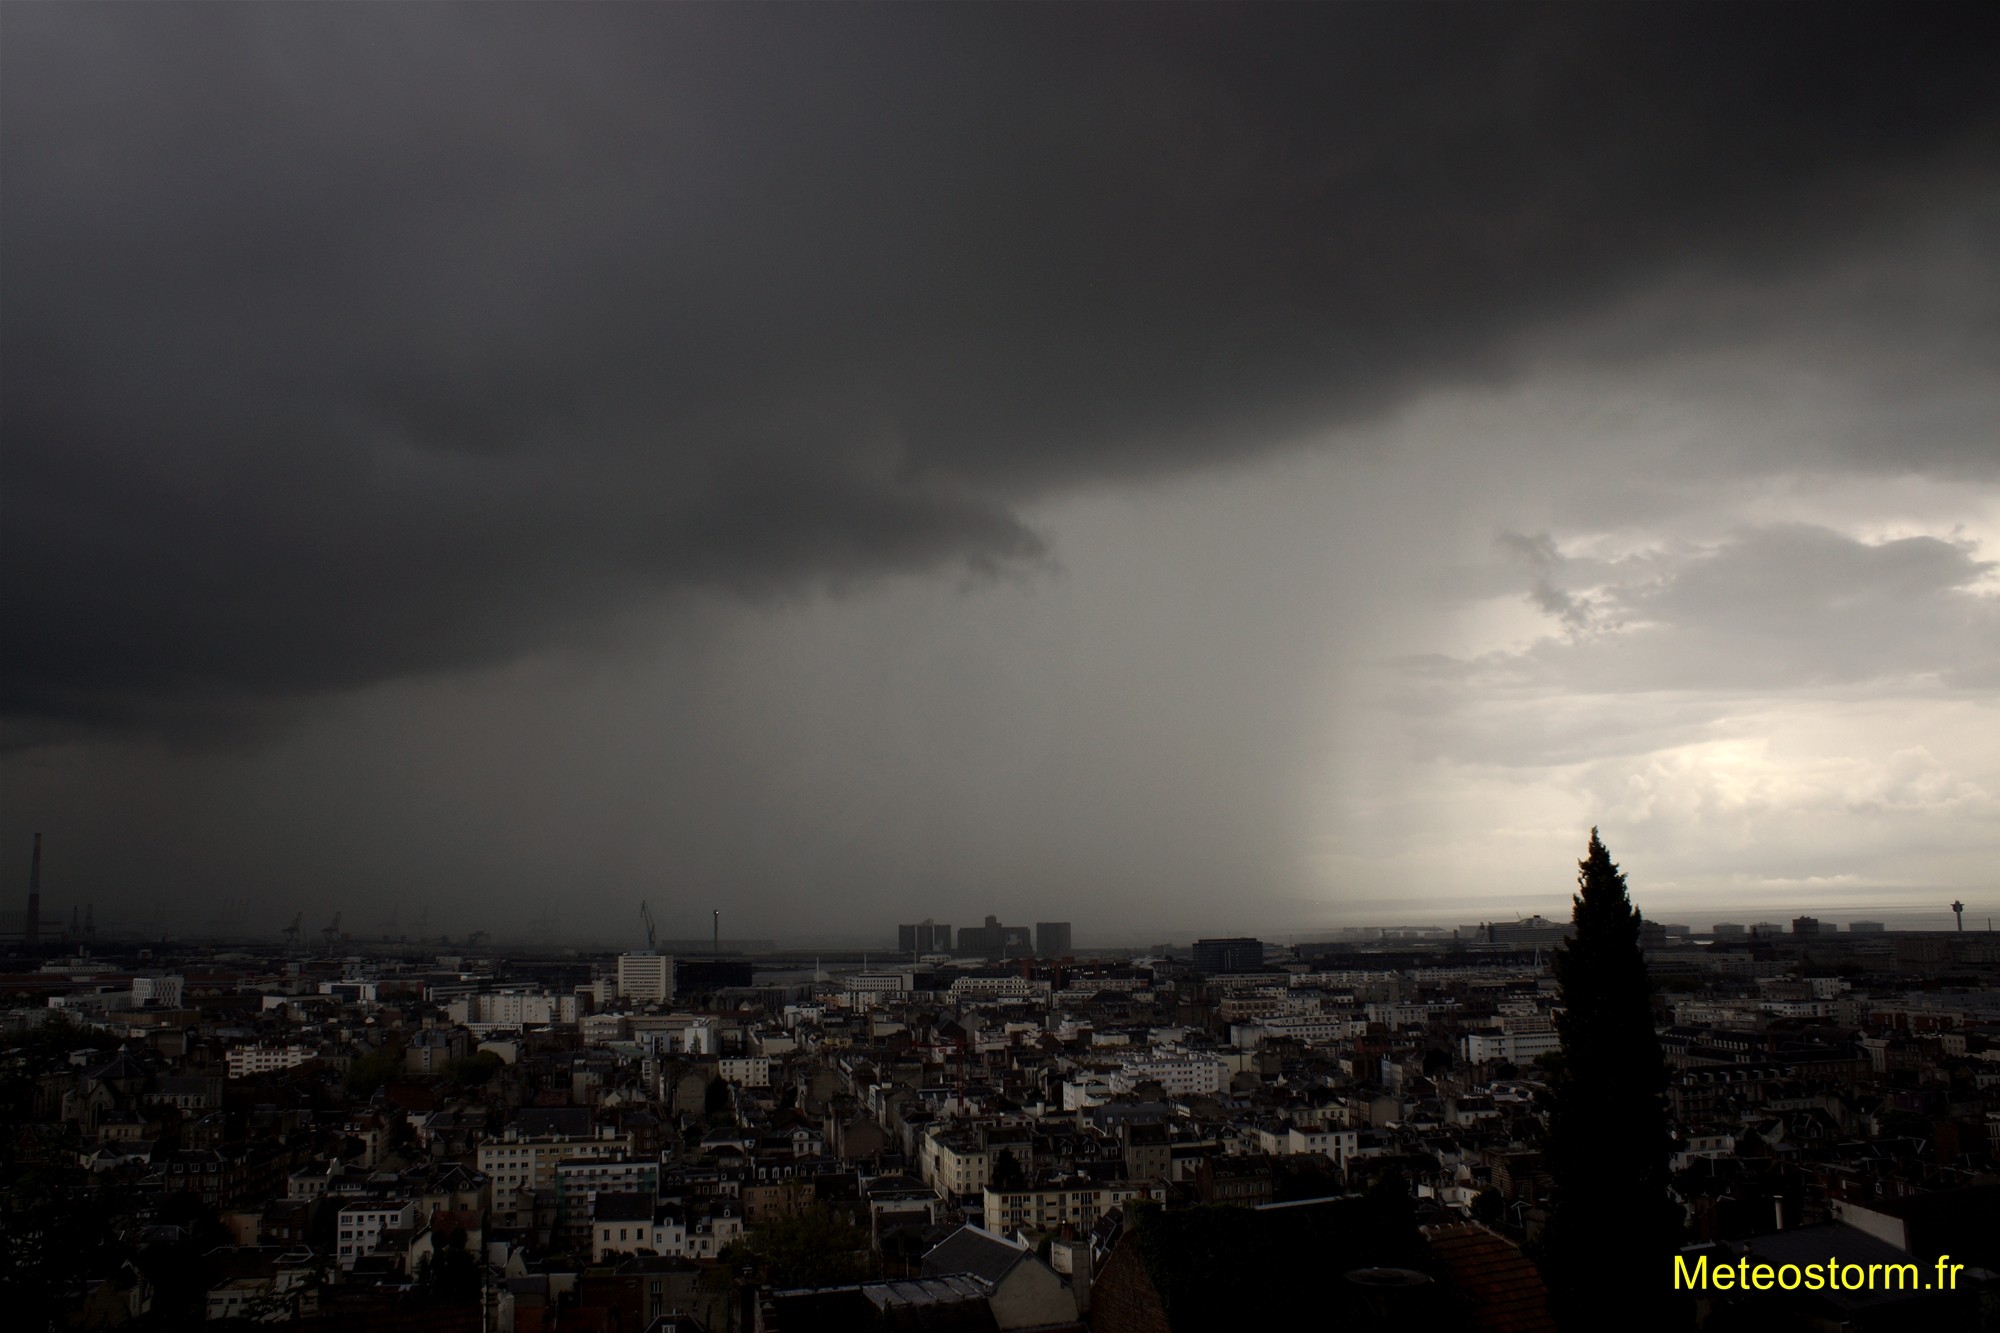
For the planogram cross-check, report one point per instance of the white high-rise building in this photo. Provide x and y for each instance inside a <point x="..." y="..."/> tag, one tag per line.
<point x="646" y="977"/>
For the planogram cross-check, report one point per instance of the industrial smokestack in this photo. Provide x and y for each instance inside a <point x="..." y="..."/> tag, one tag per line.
<point x="33" y="932"/>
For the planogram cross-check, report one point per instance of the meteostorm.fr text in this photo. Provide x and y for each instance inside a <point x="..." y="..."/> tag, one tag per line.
<point x="1832" y="1275"/>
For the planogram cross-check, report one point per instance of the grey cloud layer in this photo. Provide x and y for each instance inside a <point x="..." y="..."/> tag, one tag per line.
<point x="1712" y="636"/>
<point x="348" y="342"/>
<point x="1782" y="607"/>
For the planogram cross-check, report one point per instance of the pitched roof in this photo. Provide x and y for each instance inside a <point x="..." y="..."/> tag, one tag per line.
<point x="948" y="1305"/>
<point x="976" y="1251"/>
<point x="1299" y="1253"/>
<point x="1504" y="1288"/>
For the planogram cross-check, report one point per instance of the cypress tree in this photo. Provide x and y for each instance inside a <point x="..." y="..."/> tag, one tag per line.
<point x="1610" y="1241"/>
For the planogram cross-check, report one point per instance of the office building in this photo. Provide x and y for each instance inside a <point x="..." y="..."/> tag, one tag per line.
<point x="645" y="978"/>
<point x="994" y="940"/>
<point x="1052" y="939"/>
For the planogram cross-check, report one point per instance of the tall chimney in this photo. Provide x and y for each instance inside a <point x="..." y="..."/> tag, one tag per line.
<point x="33" y="932"/>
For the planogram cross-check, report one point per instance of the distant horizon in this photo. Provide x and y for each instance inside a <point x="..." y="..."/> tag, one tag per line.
<point x="1893" y="920"/>
<point x="233" y="920"/>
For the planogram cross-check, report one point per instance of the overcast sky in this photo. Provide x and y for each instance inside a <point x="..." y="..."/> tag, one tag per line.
<point x="1177" y="470"/>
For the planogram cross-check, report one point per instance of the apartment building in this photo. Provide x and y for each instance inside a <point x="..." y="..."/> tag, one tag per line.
<point x="363" y="1222"/>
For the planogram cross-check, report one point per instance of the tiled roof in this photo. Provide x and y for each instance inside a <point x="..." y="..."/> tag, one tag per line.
<point x="1505" y="1289"/>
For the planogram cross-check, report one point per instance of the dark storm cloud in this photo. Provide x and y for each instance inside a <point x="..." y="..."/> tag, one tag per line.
<point x="348" y="342"/>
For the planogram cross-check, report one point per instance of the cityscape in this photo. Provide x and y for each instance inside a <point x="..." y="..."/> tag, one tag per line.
<point x="974" y="1127"/>
<point x="1149" y="667"/>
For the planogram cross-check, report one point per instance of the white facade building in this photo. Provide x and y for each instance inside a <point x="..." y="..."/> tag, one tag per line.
<point x="246" y="1060"/>
<point x="163" y="991"/>
<point x="516" y="1165"/>
<point x="1517" y="1048"/>
<point x="513" y="1010"/>
<point x="1008" y="987"/>
<point x="645" y="978"/>
<point x="1046" y="1208"/>
<point x="1177" y="1075"/>
<point x="752" y="1071"/>
<point x="362" y="1222"/>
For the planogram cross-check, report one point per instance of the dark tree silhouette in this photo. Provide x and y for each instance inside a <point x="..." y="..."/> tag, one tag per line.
<point x="1007" y="1173"/>
<point x="818" y="1248"/>
<point x="1609" y="1244"/>
<point x="450" y="1272"/>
